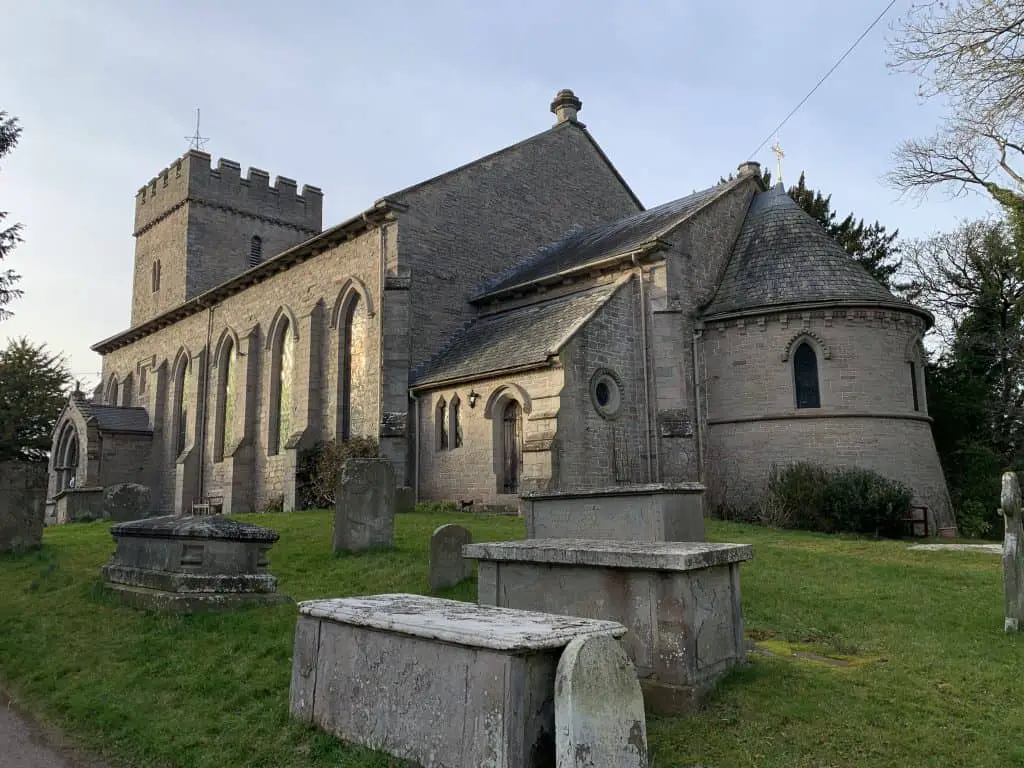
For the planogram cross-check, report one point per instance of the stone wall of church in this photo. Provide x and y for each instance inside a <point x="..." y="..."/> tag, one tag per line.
<point x="602" y="446"/>
<point x="465" y="229"/>
<point x="867" y="413"/>
<point x="474" y="469"/>
<point x="310" y="297"/>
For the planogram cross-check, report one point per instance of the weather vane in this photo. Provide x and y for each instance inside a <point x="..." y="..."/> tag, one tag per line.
<point x="197" y="141"/>
<point x="779" y="154"/>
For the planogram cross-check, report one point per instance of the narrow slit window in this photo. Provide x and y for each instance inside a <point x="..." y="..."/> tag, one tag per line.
<point x="442" y="425"/>
<point x="913" y="386"/>
<point x="255" y="250"/>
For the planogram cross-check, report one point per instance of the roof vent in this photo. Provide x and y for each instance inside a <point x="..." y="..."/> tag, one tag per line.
<point x="750" y="168"/>
<point x="566" y="106"/>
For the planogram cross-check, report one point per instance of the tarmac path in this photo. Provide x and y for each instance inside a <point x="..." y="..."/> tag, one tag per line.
<point x="24" y="744"/>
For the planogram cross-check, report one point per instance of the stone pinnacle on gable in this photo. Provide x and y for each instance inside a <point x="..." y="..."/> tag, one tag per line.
<point x="566" y="106"/>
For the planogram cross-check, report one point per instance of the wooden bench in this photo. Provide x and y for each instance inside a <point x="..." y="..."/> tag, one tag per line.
<point x="438" y="682"/>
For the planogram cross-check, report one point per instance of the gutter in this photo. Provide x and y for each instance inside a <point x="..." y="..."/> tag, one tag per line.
<point x="827" y="304"/>
<point x="465" y="378"/>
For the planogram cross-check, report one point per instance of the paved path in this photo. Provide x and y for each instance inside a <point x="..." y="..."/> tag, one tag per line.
<point x="24" y="744"/>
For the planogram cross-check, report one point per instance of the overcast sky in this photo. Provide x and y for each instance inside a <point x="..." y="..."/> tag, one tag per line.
<point x="362" y="99"/>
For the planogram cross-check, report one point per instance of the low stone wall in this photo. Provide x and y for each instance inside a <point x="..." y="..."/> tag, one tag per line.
<point x="22" y="505"/>
<point x="652" y="512"/>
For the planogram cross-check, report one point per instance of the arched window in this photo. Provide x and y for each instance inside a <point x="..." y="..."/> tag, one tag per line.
<point x="182" y="401"/>
<point x="112" y="391"/>
<point x="805" y="377"/>
<point x="281" y="367"/>
<point x="66" y="458"/>
<point x="352" y="365"/>
<point x="255" y="250"/>
<point x="455" y="419"/>
<point x="441" y="424"/>
<point x="224" y="433"/>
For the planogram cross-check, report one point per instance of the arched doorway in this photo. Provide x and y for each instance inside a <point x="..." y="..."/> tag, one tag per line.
<point x="511" y="446"/>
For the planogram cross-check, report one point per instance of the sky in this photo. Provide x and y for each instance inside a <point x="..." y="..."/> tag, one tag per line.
<point x="362" y="99"/>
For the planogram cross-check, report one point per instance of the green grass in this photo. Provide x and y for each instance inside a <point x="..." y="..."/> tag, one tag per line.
<point x="933" y="679"/>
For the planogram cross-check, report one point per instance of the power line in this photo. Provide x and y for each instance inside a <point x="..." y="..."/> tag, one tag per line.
<point x="824" y="78"/>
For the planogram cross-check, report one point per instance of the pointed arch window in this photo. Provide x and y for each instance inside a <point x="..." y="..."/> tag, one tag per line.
<point x="255" y="250"/>
<point x="224" y="433"/>
<point x="182" y="403"/>
<point x="441" y="424"/>
<point x="805" y="377"/>
<point x="281" y="367"/>
<point x="112" y="391"/>
<point x="455" y="421"/>
<point x="352" y="366"/>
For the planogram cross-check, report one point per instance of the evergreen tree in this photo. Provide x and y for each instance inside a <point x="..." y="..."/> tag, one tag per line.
<point x="11" y="236"/>
<point x="33" y="384"/>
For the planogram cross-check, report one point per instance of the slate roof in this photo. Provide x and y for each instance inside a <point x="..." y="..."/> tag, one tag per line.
<point x="783" y="256"/>
<point x="111" y="418"/>
<point x="514" y="338"/>
<point x="592" y="245"/>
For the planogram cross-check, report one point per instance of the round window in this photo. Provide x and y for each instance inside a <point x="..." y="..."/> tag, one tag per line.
<point x="606" y="393"/>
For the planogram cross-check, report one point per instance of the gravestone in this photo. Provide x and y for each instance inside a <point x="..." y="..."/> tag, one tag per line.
<point x="22" y="505"/>
<point x="1013" y="553"/>
<point x="405" y="499"/>
<point x="447" y="565"/>
<point x="599" y="708"/>
<point x="124" y="502"/>
<point x="364" y="512"/>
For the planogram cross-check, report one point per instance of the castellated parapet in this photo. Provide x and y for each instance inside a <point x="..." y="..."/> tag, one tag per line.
<point x="192" y="179"/>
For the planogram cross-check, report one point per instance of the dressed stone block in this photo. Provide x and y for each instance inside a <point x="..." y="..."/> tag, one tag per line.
<point x="652" y="512"/>
<point x="680" y="602"/>
<point x="440" y="682"/>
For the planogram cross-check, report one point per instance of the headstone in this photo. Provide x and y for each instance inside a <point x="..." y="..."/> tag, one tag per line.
<point x="364" y="513"/>
<point x="599" y="708"/>
<point x="123" y="502"/>
<point x="447" y="565"/>
<point x="1013" y="553"/>
<point x="405" y="499"/>
<point x="22" y="505"/>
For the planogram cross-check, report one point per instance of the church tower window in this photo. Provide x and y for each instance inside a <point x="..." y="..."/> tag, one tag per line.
<point x="156" y="276"/>
<point x="255" y="250"/>
<point x="805" y="377"/>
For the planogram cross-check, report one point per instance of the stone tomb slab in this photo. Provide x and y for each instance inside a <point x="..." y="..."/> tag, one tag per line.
<point x="651" y="512"/>
<point x="186" y="564"/>
<point x="364" y="510"/>
<point x="438" y="682"/>
<point x="680" y="602"/>
<point x="599" y="707"/>
<point x="447" y="565"/>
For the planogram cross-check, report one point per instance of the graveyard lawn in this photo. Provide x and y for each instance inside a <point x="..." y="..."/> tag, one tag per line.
<point x="923" y="672"/>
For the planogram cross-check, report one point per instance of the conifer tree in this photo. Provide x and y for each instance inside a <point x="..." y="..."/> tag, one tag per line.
<point x="11" y="236"/>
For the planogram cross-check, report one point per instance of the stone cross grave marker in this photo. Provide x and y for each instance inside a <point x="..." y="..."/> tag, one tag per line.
<point x="599" y="707"/>
<point x="364" y="510"/>
<point x="1013" y="552"/>
<point x="447" y="565"/>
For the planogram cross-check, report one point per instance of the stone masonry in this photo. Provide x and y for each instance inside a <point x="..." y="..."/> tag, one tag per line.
<point x="520" y="323"/>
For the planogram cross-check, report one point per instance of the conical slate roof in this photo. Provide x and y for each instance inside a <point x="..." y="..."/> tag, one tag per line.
<point x="783" y="256"/>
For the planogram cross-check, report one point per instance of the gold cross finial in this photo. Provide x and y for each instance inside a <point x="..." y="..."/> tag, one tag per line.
<point x="779" y="154"/>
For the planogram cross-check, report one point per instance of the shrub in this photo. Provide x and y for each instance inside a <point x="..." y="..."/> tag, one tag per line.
<point x="973" y="519"/>
<point x="837" y="499"/>
<point x="319" y="467"/>
<point x="274" y="504"/>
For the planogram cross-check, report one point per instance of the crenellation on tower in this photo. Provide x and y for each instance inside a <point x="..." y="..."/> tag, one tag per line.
<point x="196" y="221"/>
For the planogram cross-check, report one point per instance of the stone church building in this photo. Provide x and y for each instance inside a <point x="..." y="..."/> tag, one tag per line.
<point x="521" y="322"/>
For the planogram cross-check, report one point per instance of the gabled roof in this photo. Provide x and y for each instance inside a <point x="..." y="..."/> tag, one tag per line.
<point x="514" y="339"/>
<point x="783" y="256"/>
<point x="585" y="248"/>
<point x="112" y="418"/>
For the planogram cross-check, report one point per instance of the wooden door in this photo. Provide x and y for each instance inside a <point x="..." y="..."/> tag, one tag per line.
<point x="512" y="446"/>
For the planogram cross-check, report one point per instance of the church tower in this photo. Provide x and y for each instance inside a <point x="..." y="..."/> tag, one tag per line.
<point x="197" y="226"/>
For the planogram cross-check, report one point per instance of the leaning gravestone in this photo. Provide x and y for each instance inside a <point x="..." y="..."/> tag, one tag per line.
<point x="22" y="505"/>
<point x="364" y="512"/>
<point x="447" y="565"/>
<point x="123" y="502"/>
<point x="599" y="707"/>
<point x="1013" y="553"/>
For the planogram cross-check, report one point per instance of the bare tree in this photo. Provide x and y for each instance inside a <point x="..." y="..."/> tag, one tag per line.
<point x="970" y="52"/>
